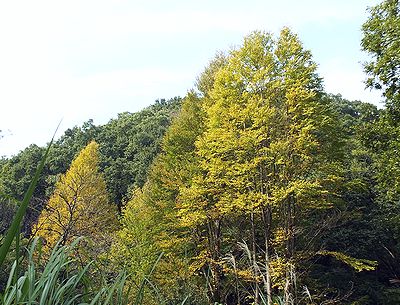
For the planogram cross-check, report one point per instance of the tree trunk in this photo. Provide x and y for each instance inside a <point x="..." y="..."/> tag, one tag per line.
<point x="267" y="227"/>
<point x="215" y="255"/>
<point x="254" y="259"/>
<point x="290" y="243"/>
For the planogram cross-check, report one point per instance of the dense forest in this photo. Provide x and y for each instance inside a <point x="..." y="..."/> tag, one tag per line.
<point x="257" y="187"/>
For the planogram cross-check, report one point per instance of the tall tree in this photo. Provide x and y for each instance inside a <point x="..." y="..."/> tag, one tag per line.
<point x="149" y="222"/>
<point x="79" y="205"/>
<point x="267" y="159"/>
<point x="381" y="40"/>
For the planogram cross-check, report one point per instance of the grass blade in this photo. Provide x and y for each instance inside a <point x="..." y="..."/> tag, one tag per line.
<point x="16" y="223"/>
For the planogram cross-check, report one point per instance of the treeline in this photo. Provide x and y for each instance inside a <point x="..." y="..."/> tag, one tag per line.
<point x="267" y="189"/>
<point x="127" y="145"/>
<point x="258" y="187"/>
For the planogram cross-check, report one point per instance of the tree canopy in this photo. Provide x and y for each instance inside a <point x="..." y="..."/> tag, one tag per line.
<point x="80" y="205"/>
<point x="257" y="187"/>
<point x="381" y="40"/>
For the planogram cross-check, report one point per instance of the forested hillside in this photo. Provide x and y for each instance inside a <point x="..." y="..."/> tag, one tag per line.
<point x="257" y="187"/>
<point x="127" y="144"/>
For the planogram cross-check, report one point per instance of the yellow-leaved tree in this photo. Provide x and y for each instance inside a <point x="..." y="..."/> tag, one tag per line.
<point x="267" y="165"/>
<point x="79" y="205"/>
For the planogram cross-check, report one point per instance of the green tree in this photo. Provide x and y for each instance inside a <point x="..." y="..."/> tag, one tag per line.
<point x="15" y="176"/>
<point x="356" y="228"/>
<point x="129" y="145"/>
<point x="381" y="137"/>
<point x="381" y="40"/>
<point x="66" y="149"/>
<point x="134" y="248"/>
<point x="17" y="172"/>
<point x="149" y="222"/>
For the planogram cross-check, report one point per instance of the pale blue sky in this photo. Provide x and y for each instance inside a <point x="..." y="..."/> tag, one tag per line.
<point x="86" y="59"/>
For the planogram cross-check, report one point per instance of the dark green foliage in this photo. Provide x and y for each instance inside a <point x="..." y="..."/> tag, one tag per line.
<point x="13" y="229"/>
<point x="15" y="177"/>
<point x="66" y="148"/>
<point x="382" y="40"/>
<point x="7" y="210"/>
<point x="379" y="138"/>
<point x="366" y="226"/>
<point x="343" y="249"/>
<point x="17" y="173"/>
<point x="381" y="141"/>
<point x="128" y="146"/>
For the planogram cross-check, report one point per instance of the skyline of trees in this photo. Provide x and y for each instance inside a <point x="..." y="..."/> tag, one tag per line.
<point x="257" y="187"/>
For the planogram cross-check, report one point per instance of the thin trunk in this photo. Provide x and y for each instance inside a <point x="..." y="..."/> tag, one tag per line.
<point x="236" y="280"/>
<point x="287" y="295"/>
<point x="267" y="217"/>
<point x="267" y="227"/>
<point x="214" y="228"/>
<point x="290" y="284"/>
<point x="255" y="267"/>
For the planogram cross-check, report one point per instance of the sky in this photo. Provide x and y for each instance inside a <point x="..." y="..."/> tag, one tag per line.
<point x="77" y="60"/>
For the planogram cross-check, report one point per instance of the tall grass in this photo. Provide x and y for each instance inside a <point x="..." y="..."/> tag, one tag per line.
<point x="60" y="283"/>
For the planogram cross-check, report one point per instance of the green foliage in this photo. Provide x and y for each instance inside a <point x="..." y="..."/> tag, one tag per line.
<point x="14" y="229"/>
<point x="366" y="226"/>
<point x="16" y="174"/>
<point x="267" y="158"/>
<point x="357" y="264"/>
<point x="129" y="144"/>
<point x="258" y="188"/>
<point x="381" y="137"/>
<point x="149" y="219"/>
<point x="66" y="149"/>
<point x="61" y="281"/>
<point x="15" y="226"/>
<point x="7" y="210"/>
<point x="259" y="155"/>
<point x="15" y="177"/>
<point x="382" y="41"/>
<point x="134" y="248"/>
